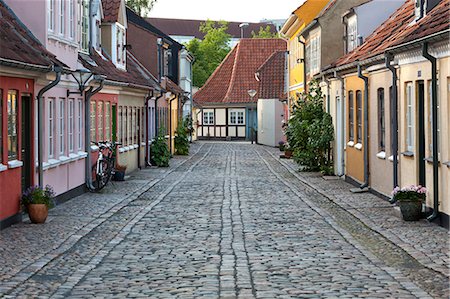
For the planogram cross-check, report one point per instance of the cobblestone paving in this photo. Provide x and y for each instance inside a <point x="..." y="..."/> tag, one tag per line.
<point x="230" y="221"/>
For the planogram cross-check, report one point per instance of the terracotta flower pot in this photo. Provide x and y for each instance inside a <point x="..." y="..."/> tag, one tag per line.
<point x="288" y="154"/>
<point x="411" y="209"/>
<point x="38" y="213"/>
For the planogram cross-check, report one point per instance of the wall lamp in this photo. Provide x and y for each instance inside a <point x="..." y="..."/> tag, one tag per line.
<point x="82" y="76"/>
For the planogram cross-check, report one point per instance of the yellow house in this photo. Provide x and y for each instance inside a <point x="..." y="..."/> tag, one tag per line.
<point x="298" y="20"/>
<point x="174" y="97"/>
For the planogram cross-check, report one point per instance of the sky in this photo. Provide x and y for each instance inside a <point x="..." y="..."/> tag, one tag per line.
<point x="228" y="10"/>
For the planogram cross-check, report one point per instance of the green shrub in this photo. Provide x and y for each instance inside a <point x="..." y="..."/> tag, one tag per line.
<point x="182" y="138"/>
<point x="310" y="131"/>
<point x="159" y="151"/>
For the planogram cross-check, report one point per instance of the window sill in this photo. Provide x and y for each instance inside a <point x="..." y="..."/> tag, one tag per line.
<point x="358" y="146"/>
<point x="143" y="144"/>
<point x="135" y="146"/>
<point x="381" y="155"/>
<point x="62" y="39"/>
<point x="52" y="163"/>
<point x="430" y="160"/>
<point x="3" y="167"/>
<point x="15" y="164"/>
<point x="82" y="154"/>
<point x="447" y="163"/>
<point x="64" y="159"/>
<point x="408" y="154"/>
<point x="351" y="144"/>
<point x="391" y="158"/>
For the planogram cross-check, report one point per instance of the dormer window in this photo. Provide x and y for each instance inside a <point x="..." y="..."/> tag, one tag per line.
<point x="84" y="42"/>
<point x="352" y="33"/>
<point x="420" y="9"/>
<point x="121" y="41"/>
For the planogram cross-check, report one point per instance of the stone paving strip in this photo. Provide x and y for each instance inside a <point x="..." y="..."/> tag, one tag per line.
<point x="396" y="257"/>
<point x="20" y="262"/>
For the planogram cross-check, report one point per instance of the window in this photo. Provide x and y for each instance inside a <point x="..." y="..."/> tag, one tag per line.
<point x="61" y="126"/>
<point x="120" y="35"/>
<point x="240" y="118"/>
<point x="143" y="126"/>
<point x="120" y="133"/>
<point x="51" y="15"/>
<point x="313" y="55"/>
<point x="100" y="123"/>
<point x="352" y="38"/>
<point x="208" y="118"/>
<point x="135" y="125"/>
<point x="409" y="117"/>
<point x="359" y="115"/>
<point x="80" y="124"/>
<point x="232" y="117"/>
<point x="132" y="125"/>
<point x="351" y="113"/>
<point x="62" y="7"/>
<point x="71" y="125"/>
<point x="1" y="125"/>
<point x="71" y="19"/>
<point x="51" y="128"/>
<point x="93" y="123"/>
<point x="107" y="121"/>
<point x="85" y="26"/>
<point x="167" y="62"/>
<point x="12" y="124"/>
<point x="430" y="119"/>
<point x="381" y="120"/>
<point x="127" y="125"/>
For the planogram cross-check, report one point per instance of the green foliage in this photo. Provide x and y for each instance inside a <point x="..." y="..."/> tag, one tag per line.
<point x="182" y="137"/>
<point x="264" y="33"/>
<point x="38" y="195"/>
<point x="210" y="51"/>
<point x="141" y="7"/>
<point x="310" y="131"/>
<point x="159" y="151"/>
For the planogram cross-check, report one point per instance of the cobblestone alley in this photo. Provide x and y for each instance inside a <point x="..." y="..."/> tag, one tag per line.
<point x="232" y="220"/>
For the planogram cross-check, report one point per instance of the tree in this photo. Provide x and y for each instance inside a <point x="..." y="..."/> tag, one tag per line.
<point x="141" y="7"/>
<point x="264" y="33"/>
<point x="210" y="51"/>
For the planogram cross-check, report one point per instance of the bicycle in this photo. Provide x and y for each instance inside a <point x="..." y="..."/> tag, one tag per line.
<point x="103" y="169"/>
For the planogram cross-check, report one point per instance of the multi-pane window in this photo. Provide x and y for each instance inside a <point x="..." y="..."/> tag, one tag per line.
<point x="71" y="19"/>
<point x="120" y="35"/>
<point x="12" y="105"/>
<point x="107" y="121"/>
<point x="71" y="125"/>
<point x="208" y="118"/>
<point x="61" y="126"/>
<point x="359" y="115"/>
<point x="143" y="127"/>
<point x="381" y="120"/>
<point x="85" y="25"/>
<point x="232" y="117"/>
<point x="135" y="125"/>
<point x="93" y="123"/>
<point x="80" y="124"/>
<point x="119" y="131"/>
<point x="313" y="55"/>
<point x="51" y="15"/>
<point x="1" y="125"/>
<point x="127" y="125"/>
<point x="352" y="39"/>
<point x="51" y="128"/>
<point x="132" y="126"/>
<point x="409" y="117"/>
<point x="240" y="118"/>
<point x="100" y="123"/>
<point x="62" y="7"/>
<point x="351" y="113"/>
<point x="430" y="123"/>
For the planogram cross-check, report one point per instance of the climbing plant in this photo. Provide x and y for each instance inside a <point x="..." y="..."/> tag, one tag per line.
<point x="310" y="131"/>
<point x="159" y="151"/>
<point x="182" y="137"/>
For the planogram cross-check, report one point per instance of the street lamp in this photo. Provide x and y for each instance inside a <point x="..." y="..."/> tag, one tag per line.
<point x="242" y="26"/>
<point x="82" y="76"/>
<point x="252" y="93"/>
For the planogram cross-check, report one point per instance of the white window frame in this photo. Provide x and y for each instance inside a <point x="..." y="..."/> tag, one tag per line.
<point x="233" y="118"/>
<point x="51" y="15"/>
<point x="240" y="117"/>
<point x="100" y="120"/>
<point x="84" y="26"/>
<point x="71" y="19"/>
<point x="61" y="17"/>
<point x="208" y="118"/>
<point x="61" y="126"/>
<point x="80" y="124"/>
<point x="430" y="119"/>
<point x="352" y="33"/>
<point x="107" y="121"/>
<point x="51" y="127"/>
<point x="92" y="119"/>
<point x="121" y="40"/>
<point x="409" y="117"/>
<point x="71" y="125"/>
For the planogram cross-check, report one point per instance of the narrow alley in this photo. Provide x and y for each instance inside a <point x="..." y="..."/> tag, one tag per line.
<point x="231" y="220"/>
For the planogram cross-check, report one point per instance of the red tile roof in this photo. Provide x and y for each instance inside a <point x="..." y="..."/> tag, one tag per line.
<point x="111" y="10"/>
<point x="171" y="86"/>
<point x="233" y="78"/>
<point x="399" y="28"/>
<point x="18" y="44"/>
<point x="135" y="75"/>
<point x="191" y="27"/>
<point x="272" y="77"/>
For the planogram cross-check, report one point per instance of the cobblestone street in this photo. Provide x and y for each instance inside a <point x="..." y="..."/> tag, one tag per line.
<point x="232" y="220"/>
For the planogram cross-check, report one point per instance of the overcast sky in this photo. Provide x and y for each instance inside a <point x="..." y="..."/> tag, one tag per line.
<point x="228" y="10"/>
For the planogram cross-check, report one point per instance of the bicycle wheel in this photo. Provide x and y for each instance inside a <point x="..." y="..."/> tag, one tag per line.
<point x="101" y="178"/>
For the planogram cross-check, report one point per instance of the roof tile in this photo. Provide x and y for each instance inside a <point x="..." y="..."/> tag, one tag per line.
<point x="111" y="10"/>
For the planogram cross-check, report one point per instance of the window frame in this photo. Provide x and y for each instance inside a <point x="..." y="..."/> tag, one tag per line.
<point x="84" y="23"/>
<point x="1" y="125"/>
<point x="13" y="129"/>
<point x="80" y="124"/>
<point x="233" y="117"/>
<point x="61" y="17"/>
<point x="51" y="127"/>
<point x="71" y="125"/>
<point x="381" y="100"/>
<point x="240" y="117"/>
<point x="100" y="121"/>
<point x="51" y="15"/>
<point x="351" y="116"/>
<point x="93" y="120"/>
<point x="72" y="19"/>
<point x="61" y="126"/>
<point x="359" y="112"/>
<point x="409" y="115"/>
<point x="209" y="117"/>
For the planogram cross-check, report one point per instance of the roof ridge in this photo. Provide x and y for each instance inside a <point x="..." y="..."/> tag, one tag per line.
<point x="233" y="73"/>
<point x="270" y="58"/>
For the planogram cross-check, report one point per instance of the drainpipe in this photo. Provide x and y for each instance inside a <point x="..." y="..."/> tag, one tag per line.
<point x="170" y="122"/>
<point x="147" y="145"/>
<point x="87" y="138"/>
<point x="342" y="119"/>
<point x="57" y="70"/>
<point x="366" y="127"/>
<point x="434" y="92"/>
<point x="394" y="120"/>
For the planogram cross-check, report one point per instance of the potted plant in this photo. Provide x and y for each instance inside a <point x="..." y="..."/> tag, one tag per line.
<point x="36" y="201"/>
<point x="281" y="146"/>
<point x="287" y="151"/>
<point x="410" y="200"/>
<point x="119" y="172"/>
